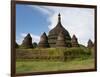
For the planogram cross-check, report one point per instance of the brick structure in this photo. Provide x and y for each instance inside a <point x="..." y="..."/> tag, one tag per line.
<point x="27" y="42"/>
<point x="90" y="44"/>
<point x="74" y="41"/>
<point x="54" y="33"/>
<point x="43" y="41"/>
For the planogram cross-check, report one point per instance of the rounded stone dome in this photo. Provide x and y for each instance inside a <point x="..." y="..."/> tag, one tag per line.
<point x="53" y="34"/>
<point x="59" y="28"/>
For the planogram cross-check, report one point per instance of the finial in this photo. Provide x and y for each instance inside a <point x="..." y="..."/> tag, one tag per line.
<point x="59" y="14"/>
<point x="59" y="18"/>
<point x="44" y="33"/>
<point x="28" y="34"/>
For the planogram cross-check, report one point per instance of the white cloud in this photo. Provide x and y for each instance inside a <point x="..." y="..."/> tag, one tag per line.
<point x="42" y="9"/>
<point x="35" y="38"/>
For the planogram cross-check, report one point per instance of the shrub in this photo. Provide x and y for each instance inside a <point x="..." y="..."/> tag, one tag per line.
<point x="53" y="53"/>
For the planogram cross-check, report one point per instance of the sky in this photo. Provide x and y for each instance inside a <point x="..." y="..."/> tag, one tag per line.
<point x="36" y="19"/>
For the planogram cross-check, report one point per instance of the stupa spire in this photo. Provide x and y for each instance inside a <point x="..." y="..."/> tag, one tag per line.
<point x="59" y="18"/>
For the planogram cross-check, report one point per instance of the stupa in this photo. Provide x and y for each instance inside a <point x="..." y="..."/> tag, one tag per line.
<point x="74" y="41"/>
<point x="90" y="44"/>
<point x="54" y="33"/>
<point x="43" y="41"/>
<point x="27" y="42"/>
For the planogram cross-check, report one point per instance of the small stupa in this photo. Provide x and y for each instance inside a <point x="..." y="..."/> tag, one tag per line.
<point x="43" y="41"/>
<point x="61" y="40"/>
<point x="90" y="44"/>
<point x="27" y="42"/>
<point x="74" y="41"/>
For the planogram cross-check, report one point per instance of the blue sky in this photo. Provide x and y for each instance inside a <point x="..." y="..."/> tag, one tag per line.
<point x="29" y="20"/>
<point x="35" y="19"/>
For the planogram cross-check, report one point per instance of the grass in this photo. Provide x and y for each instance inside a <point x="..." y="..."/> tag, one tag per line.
<point x="26" y="62"/>
<point x="23" y="66"/>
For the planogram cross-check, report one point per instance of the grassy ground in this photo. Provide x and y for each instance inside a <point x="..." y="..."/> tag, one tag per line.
<point x="41" y="66"/>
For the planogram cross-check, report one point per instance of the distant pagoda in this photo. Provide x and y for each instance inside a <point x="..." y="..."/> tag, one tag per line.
<point x="74" y="41"/>
<point x="27" y="42"/>
<point x="90" y="44"/>
<point x="54" y="33"/>
<point x="43" y="41"/>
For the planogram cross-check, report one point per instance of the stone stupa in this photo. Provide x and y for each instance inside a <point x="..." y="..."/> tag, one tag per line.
<point x="90" y="44"/>
<point x="74" y="41"/>
<point x="54" y="33"/>
<point x="27" y="42"/>
<point x="43" y="41"/>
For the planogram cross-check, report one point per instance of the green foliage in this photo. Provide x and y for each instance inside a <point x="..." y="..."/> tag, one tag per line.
<point x="53" y="53"/>
<point x="34" y="45"/>
<point x="25" y="47"/>
<point x="72" y="53"/>
<point x="16" y="45"/>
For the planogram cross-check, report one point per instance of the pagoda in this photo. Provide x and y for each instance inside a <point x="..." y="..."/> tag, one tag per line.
<point x="27" y="42"/>
<point x="90" y="44"/>
<point x="74" y="41"/>
<point x="54" y="33"/>
<point x="43" y="41"/>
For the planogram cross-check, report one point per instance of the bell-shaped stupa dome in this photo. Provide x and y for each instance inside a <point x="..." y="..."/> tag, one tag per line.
<point x="53" y="34"/>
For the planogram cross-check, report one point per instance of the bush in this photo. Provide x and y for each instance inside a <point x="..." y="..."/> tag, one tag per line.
<point x="72" y="53"/>
<point x="53" y="53"/>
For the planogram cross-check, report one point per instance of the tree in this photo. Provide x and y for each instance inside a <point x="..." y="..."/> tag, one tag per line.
<point x="34" y="44"/>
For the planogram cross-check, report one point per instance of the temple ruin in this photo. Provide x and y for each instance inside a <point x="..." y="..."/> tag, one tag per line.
<point x="90" y="44"/>
<point x="27" y="42"/>
<point x="74" y="41"/>
<point x="43" y="41"/>
<point x="54" y="33"/>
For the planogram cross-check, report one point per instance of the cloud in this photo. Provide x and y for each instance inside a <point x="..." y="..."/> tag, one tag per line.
<point x="77" y="21"/>
<point x="35" y="38"/>
<point x="42" y="9"/>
